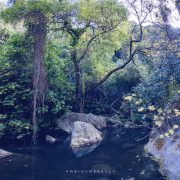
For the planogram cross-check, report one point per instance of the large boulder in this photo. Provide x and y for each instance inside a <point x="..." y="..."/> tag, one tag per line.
<point x="167" y="149"/>
<point x="171" y="162"/>
<point x="84" y="138"/>
<point x="167" y="152"/>
<point x="4" y="153"/>
<point x="66" y="123"/>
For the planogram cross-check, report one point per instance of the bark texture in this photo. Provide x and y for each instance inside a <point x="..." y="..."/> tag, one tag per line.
<point x="37" y="28"/>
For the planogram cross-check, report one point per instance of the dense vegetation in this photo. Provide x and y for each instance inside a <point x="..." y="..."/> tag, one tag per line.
<point x="86" y="56"/>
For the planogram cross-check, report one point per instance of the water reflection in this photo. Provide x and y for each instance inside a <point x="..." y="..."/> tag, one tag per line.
<point x="116" y="158"/>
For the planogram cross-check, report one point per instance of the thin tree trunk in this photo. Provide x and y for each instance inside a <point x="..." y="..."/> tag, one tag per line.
<point x="78" y="79"/>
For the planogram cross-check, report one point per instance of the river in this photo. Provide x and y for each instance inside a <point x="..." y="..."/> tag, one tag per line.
<point x="119" y="157"/>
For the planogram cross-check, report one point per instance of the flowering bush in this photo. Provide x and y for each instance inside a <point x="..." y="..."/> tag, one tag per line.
<point x="167" y="120"/>
<point x="135" y="109"/>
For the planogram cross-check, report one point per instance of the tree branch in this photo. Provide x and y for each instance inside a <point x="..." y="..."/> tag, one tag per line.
<point x="92" y="39"/>
<point x="111" y="72"/>
<point x="131" y="51"/>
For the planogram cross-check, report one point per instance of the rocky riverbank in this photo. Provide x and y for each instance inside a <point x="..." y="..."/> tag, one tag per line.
<point x="164" y="142"/>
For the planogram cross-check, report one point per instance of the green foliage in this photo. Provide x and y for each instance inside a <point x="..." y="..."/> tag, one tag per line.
<point x="134" y="108"/>
<point x="19" y="129"/>
<point x="160" y="66"/>
<point x="162" y="81"/>
<point x="60" y="89"/>
<point x="70" y="26"/>
<point x="15" y="77"/>
<point x="101" y="12"/>
<point x="2" y="129"/>
<point x="112" y="92"/>
<point x="22" y="8"/>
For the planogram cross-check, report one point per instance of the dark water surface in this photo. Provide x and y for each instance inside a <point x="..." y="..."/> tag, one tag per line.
<point x="119" y="157"/>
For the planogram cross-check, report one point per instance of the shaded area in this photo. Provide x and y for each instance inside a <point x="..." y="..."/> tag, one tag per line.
<point x="119" y="156"/>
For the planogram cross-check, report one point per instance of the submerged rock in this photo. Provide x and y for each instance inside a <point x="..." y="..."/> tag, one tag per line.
<point x="82" y="151"/>
<point x="50" y="139"/>
<point x="84" y="138"/>
<point x="66" y="123"/>
<point x="4" y="153"/>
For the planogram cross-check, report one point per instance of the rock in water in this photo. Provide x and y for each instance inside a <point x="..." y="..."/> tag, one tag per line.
<point x="4" y="153"/>
<point x="82" y="151"/>
<point x="167" y="152"/>
<point x="66" y="123"/>
<point x="172" y="161"/>
<point x="167" y="148"/>
<point x="50" y="139"/>
<point x="84" y="138"/>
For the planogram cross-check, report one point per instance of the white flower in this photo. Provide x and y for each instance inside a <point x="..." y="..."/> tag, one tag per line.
<point x="166" y="134"/>
<point x="175" y="126"/>
<point x="137" y="102"/>
<point x="161" y="136"/>
<point x="177" y="112"/>
<point x="128" y="98"/>
<point x="133" y="95"/>
<point x="160" y="110"/>
<point x="151" y="108"/>
<point x="171" y="131"/>
<point x="141" y="109"/>
<point x="155" y="117"/>
<point x="158" y="123"/>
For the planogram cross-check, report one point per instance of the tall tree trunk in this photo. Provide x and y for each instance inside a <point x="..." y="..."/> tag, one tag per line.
<point x="38" y="30"/>
<point x="78" y="79"/>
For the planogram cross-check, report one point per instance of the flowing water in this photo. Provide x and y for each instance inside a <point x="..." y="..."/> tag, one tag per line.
<point x="119" y="157"/>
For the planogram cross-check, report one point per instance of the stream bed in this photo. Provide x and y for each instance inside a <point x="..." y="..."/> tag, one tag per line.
<point x="120" y="156"/>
